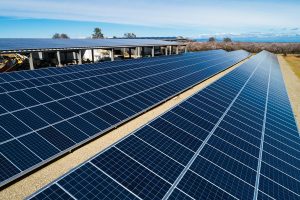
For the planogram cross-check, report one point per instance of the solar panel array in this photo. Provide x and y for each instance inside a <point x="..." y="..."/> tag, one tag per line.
<point x="13" y="44"/>
<point x="235" y="139"/>
<point x="46" y="113"/>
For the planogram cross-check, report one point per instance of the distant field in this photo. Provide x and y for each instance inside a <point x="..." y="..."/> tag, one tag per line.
<point x="294" y="62"/>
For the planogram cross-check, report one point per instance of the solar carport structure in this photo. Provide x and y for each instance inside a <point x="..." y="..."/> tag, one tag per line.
<point x="26" y="45"/>
<point x="235" y="139"/>
<point x="30" y="46"/>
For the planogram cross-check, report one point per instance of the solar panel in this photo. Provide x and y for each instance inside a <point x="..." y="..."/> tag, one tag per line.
<point x="235" y="139"/>
<point x="33" y="78"/>
<point x="46" y="113"/>
<point x="15" y="44"/>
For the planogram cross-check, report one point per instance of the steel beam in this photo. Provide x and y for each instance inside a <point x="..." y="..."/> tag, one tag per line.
<point x="75" y="57"/>
<point x="137" y="52"/>
<point x="112" y="55"/>
<point x="129" y="51"/>
<point x="79" y="56"/>
<point x="31" y="62"/>
<point x="93" y="56"/>
<point x="143" y="51"/>
<point x="58" y="59"/>
<point x="153" y="51"/>
<point x="40" y="55"/>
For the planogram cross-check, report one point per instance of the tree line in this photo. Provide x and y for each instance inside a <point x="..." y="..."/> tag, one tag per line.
<point x="253" y="47"/>
<point x="213" y="39"/>
<point x="97" y="34"/>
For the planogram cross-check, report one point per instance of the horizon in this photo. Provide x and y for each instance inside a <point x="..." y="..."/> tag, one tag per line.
<point x="192" y="19"/>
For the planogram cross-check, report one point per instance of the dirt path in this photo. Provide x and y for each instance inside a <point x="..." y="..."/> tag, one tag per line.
<point x="292" y="83"/>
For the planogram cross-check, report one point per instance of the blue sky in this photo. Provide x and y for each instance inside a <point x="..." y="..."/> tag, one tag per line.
<point x="192" y="18"/>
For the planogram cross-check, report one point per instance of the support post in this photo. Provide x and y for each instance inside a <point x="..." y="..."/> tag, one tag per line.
<point x="101" y="54"/>
<point x="153" y="51"/>
<point x="40" y="55"/>
<point x="124" y="51"/>
<point x="79" y="56"/>
<point x="166" y="50"/>
<point x="93" y="56"/>
<point x="66" y="57"/>
<point x="31" y="61"/>
<point x="177" y="49"/>
<point x="140" y="52"/>
<point x="74" y="57"/>
<point x="129" y="51"/>
<point x="137" y="52"/>
<point x="112" y="55"/>
<point x="143" y="51"/>
<point x="170" y="53"/>
<point x="58" y="59"/>
<point x="185" y="49"/>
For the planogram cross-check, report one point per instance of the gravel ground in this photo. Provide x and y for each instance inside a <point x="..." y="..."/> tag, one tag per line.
<point x="292" y="83"/>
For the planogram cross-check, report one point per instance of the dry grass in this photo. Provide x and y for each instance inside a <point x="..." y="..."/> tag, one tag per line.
<point x="294" y="62"/>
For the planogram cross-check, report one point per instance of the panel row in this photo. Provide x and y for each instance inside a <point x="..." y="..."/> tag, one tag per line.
<point x="280" y="175"/>
<point x="36" y="134"/>
<point x="34" y="78"/>
<point x="204" y="148"/>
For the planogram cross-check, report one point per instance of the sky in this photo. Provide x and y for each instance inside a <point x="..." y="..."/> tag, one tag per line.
<point x="189" y="18"/>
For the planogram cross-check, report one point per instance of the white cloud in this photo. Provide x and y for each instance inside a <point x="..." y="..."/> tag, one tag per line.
<point x="176" y="13"/>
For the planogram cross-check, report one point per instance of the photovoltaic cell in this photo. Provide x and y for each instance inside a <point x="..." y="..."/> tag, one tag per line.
<point x="54" y="192"/>
<point x="94" y="182"/>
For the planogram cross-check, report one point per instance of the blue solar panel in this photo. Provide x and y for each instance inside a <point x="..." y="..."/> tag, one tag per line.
<point x="200" y="188"/>
<point x="179" y="195"/>
<point x="66" y="107"/>
<point x="15" y="44"/>
<point x="54" y="192"/>
<point x="94" y="184"/>
<point x="136" y="149"/>
<point x="234" y="154"/>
